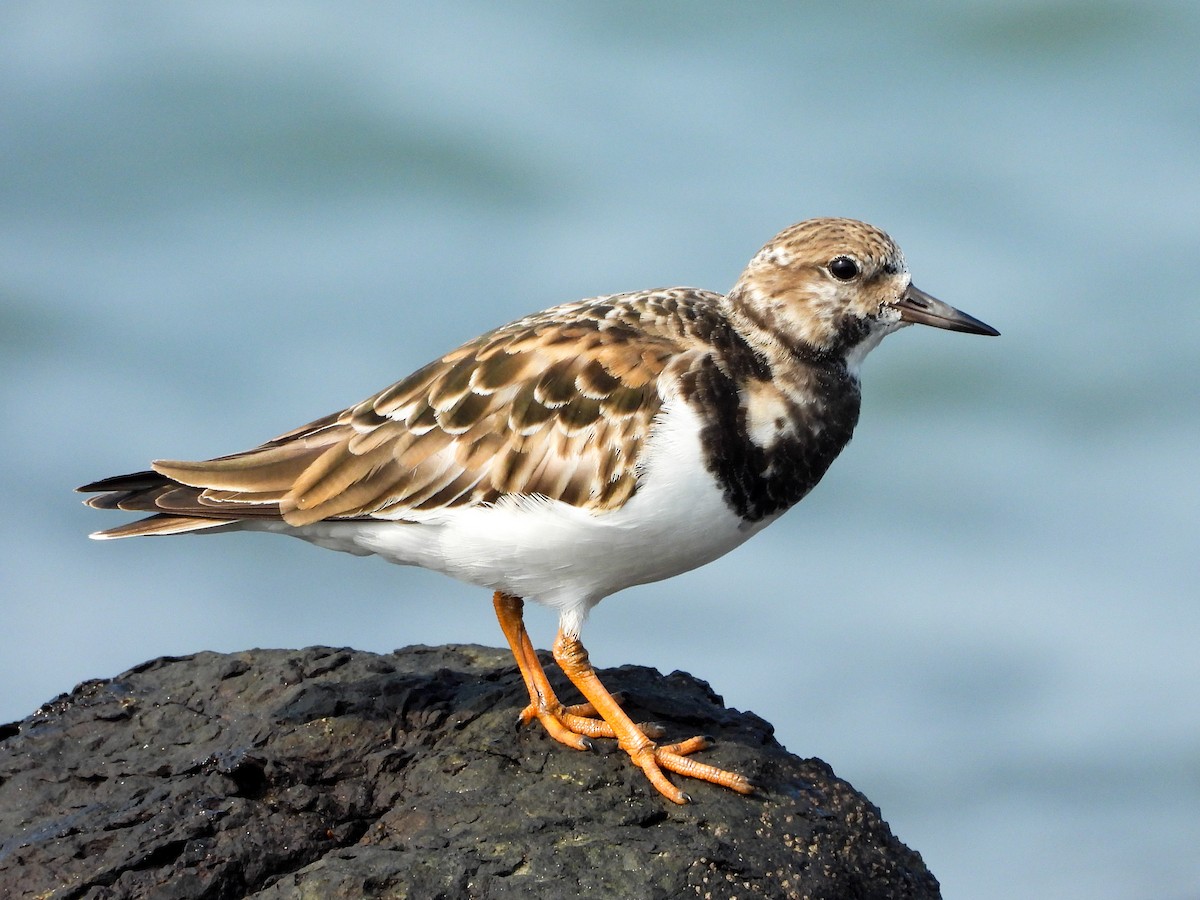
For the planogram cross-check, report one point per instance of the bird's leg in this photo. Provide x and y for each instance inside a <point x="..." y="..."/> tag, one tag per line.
<point x="572" y="658"/>
<point x="570" y="725"/>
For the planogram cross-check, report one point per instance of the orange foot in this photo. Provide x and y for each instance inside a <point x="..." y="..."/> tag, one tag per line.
<point x="602" y="715"/>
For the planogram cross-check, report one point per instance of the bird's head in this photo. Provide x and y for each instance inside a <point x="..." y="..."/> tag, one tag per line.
<point x="834" y="288"/>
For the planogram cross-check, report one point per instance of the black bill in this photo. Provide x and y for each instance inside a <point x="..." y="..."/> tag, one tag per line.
<point x="918" y="307"/>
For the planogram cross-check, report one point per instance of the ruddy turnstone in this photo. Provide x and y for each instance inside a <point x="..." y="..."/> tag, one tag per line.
<point x="581" y="450"/>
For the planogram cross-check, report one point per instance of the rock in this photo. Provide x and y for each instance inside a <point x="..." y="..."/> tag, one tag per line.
<point x="334" y="773"/>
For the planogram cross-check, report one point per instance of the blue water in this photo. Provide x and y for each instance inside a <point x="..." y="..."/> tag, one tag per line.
<point x="218" y="221"/>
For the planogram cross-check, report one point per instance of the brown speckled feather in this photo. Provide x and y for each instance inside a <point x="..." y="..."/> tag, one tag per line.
<point x="558" y="404"/>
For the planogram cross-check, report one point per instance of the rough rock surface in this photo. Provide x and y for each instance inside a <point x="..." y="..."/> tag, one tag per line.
<point x="333" y="773"/>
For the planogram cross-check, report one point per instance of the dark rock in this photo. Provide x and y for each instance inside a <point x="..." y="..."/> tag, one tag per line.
<point x="332" y="773"/>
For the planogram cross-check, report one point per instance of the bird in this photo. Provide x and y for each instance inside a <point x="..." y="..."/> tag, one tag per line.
<point x="581" y="450"/>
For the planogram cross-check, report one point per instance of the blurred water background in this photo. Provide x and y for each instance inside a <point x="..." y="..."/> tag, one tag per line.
<point x="221" y="220"/>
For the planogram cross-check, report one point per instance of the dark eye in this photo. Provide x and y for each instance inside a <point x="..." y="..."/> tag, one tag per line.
<point x="843" y="268"/>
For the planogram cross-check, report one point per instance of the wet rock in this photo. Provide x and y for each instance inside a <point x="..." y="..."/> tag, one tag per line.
<point x="334" y="773"/>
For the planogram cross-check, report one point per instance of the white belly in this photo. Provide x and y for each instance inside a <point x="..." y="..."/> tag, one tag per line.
<point x="561" y="555"/>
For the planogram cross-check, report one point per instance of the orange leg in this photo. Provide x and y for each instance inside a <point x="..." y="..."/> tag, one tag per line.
<point x="572" y="658"/>
<point x="570" y="725"/>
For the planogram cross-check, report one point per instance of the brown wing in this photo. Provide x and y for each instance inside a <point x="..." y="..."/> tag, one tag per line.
<point x="557" y="405"/>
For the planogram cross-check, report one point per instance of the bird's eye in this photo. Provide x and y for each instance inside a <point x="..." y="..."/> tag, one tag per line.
<point x="843" y="268"/>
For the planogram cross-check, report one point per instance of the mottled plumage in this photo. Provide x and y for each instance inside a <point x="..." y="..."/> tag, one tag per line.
<point x="583" y="449"/>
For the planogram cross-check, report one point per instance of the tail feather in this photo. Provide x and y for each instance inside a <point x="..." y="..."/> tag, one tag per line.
<point x="177" y="508"/>
<point x="162" y="523"/>
<point x="135" y="481"/>
<point x="202" y="496"/>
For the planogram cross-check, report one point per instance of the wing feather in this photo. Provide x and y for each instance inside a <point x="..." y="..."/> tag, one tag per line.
<point x="558" y="405"/>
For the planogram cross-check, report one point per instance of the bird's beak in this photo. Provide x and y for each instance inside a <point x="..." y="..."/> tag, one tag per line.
<point x="917" y="306"/>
